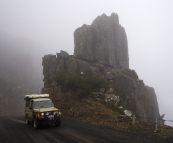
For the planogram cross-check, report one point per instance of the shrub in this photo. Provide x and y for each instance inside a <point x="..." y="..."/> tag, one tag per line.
<point x="115" y="108"/>
<point x="79" y="84"/>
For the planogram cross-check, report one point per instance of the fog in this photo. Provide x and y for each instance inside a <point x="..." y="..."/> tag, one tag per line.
<point x="41" y="27"/>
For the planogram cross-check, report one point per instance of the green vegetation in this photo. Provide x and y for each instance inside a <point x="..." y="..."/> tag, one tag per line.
<point x="139" y="126"/>
<point x="78" y="84"/>
<point x="115" y="108"/>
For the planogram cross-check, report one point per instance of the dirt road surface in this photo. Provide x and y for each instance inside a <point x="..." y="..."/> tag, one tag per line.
<point x="14" y="130"/>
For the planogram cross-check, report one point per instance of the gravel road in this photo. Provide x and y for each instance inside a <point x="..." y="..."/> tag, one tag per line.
<point x="14" y="130"/>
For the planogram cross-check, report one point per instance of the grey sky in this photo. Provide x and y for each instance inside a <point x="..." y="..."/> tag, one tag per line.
<point x="148" y="25"/>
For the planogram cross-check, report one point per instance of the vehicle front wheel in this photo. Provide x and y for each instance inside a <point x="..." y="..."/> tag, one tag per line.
<point x="27" y="121"/>
<point x="36" y="124"/>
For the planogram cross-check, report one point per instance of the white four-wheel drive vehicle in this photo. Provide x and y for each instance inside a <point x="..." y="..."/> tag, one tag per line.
<point x="39" y="109"/>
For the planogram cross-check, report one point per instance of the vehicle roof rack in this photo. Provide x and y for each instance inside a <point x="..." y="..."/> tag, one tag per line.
<point x="36" y="96"/>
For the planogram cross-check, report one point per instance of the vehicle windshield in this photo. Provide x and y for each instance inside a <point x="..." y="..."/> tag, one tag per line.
<point x="42" y="104"/>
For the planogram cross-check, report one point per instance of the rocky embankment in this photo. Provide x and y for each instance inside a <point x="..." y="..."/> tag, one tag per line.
<point x="123" y="84"/>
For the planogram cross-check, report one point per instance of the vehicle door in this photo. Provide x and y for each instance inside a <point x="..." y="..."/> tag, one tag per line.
<point x="30" y="111"/>
<point x="27" y="107"/>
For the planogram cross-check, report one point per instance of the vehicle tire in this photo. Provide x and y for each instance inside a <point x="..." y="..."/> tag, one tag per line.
<point x="36" y="124"/>
<point x="58" y="123"/>
<point x="27" y="121"/>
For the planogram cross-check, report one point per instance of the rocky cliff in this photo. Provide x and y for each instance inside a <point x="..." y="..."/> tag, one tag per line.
<point x="101" y="49"/>
<point x="103" y="41"/>
<point x="18" y="76"/>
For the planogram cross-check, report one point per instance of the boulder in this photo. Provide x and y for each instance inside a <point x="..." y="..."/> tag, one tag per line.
<point x="111" y="98"/>
<point x="128" y="113"/>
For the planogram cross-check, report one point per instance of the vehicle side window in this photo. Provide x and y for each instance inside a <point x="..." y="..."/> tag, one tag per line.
<point x="36" y="105"/>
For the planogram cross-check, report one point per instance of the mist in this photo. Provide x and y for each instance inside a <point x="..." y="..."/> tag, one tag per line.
<point x="40" y="27"/>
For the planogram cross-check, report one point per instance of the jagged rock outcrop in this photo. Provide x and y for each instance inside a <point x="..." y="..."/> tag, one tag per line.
<point x="101" y="50"/>
<point x="124" y="83"/>
<point x="103" y="41"/>
<point x="154" y="108"/>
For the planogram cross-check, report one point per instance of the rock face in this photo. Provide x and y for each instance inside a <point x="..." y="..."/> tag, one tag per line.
<point x="18" y="77"/>
<point x="101" y="50"/>
<point x="153" y="105"/>
<point x="124" y="83"/>
<point x="103" y="41"/>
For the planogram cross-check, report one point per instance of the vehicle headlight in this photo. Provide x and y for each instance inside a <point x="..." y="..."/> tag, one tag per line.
<point x="47" y="113"/>
<point x="42" y="114"/>
<point x="54" y="112"/>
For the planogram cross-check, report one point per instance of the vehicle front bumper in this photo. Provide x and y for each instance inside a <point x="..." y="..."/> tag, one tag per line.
<point x="49" y="118"/>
